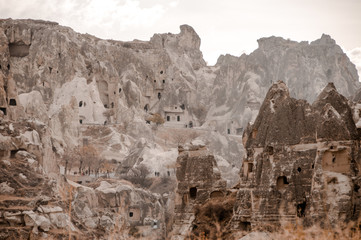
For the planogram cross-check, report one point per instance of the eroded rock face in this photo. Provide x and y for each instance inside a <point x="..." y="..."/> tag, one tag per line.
<point x="241" y="83"/>
<point x="117" y="206"/>
<point x="73" y="88"/>
<point x="302" y="162"/>
<point x="198" y="180"/>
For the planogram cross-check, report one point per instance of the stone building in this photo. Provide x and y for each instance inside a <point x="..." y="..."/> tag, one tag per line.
<point x="177" y="116"/>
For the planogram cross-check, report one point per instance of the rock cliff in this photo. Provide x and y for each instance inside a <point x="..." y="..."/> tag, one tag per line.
<point x="138" y="101"/>
<point x="301" y="169"/>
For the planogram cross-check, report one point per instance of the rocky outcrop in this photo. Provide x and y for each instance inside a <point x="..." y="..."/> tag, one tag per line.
<point x="241" y="83"/>
<point x="59" y="76"/>
<point x="302" y="163"/>
<point x="60" y="89"/>
<point x="29" y="201"/>
<point x="198" y="180"/>
<point x="113" y="207"/>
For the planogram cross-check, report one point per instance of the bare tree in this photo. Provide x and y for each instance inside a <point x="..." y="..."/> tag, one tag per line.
<point x="89" y="157"/>
<point x="69" y="158"/>
<point x="156" y="118"/>
<point x="139" y="176"/>
<point x="180" y="139"/>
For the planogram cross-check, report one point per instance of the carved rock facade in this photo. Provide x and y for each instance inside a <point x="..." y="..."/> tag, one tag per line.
<point x="302" y="163"/>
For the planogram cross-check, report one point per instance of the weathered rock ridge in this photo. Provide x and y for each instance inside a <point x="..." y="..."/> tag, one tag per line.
<point x="302" y="161"/>
<point x="61" y="90"/>
<point x="301" y="167"/>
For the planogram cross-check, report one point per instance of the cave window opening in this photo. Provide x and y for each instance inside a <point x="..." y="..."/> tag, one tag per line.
<point x="356" y="187"/>
<point x="13" y="153"/>
<point x="301" y="208"/>
<point x="250" y="167"/>
<point x="168" y="118"/>
<point x="130" y="214"/>
<point x="43" y="84"/>
<point x="299" y="169"/>
<point x="159" y="95"/>
<point x="81" y="121"/>
<point x="161" y="72"/>
<point x="105" y="105"/>
<point x="193" y="192"/>
<point x="146" y="107"/>
<point x="282" y="182"/>
<point x="163" y="81"/>
<point x="313" y="166"/>
<point x="50" y="69"/>
<point x="120" y="90"/>
<point x="228" y="131"/>
<point x="331" y="147"/>
<point x="155" y="80"/>
<point x="8" y="66"/>
<point x="333" y="158"/>
<point x="115" y="92"/>
<point x="245" y="226"/>
<point x="354" y="210"/>
<point x="0" y="67"/>
<point x="12" y="102"/>
<point x="112" y="105"/>
<point x="3" y="110"/>
<point x="80" y="103"/>
<point x="178" y="118"/>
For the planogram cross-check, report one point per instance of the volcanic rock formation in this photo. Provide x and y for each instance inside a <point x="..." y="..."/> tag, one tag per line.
<point x="302" y="161"/>
<point x="62" y="90"/>
<point x="301" y="167"/>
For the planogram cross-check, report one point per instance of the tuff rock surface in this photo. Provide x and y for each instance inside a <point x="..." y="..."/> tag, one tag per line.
<point x="301" y="167"/>
<point x="62" y="90"/>
<point x="309" y="174"/>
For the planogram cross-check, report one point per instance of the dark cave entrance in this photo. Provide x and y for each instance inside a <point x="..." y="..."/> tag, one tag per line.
<point x="245" y="226"/>
<point x="193" y="192"/>
<point x="282" y="182"/>
<point x="12" y="102"/>
<point x="301" y="209"/>
<point x="3" y="110"/>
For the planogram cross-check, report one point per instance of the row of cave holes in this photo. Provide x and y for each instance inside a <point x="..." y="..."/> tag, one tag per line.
<point x="163" y="81"/>
<point x="81" y="103"/>
<point x="51" y="69"/>
<point x="12" y="102"/>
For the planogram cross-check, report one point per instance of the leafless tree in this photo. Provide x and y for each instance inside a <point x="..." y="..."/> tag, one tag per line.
<point x="139" y="176"/>
<point x="70" y="157"/>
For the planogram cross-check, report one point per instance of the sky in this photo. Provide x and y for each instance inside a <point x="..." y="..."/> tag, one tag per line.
<point x="224" y="26"/>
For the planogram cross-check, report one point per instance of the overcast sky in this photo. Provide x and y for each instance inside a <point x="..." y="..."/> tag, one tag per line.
<point x="225" y="26"/>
